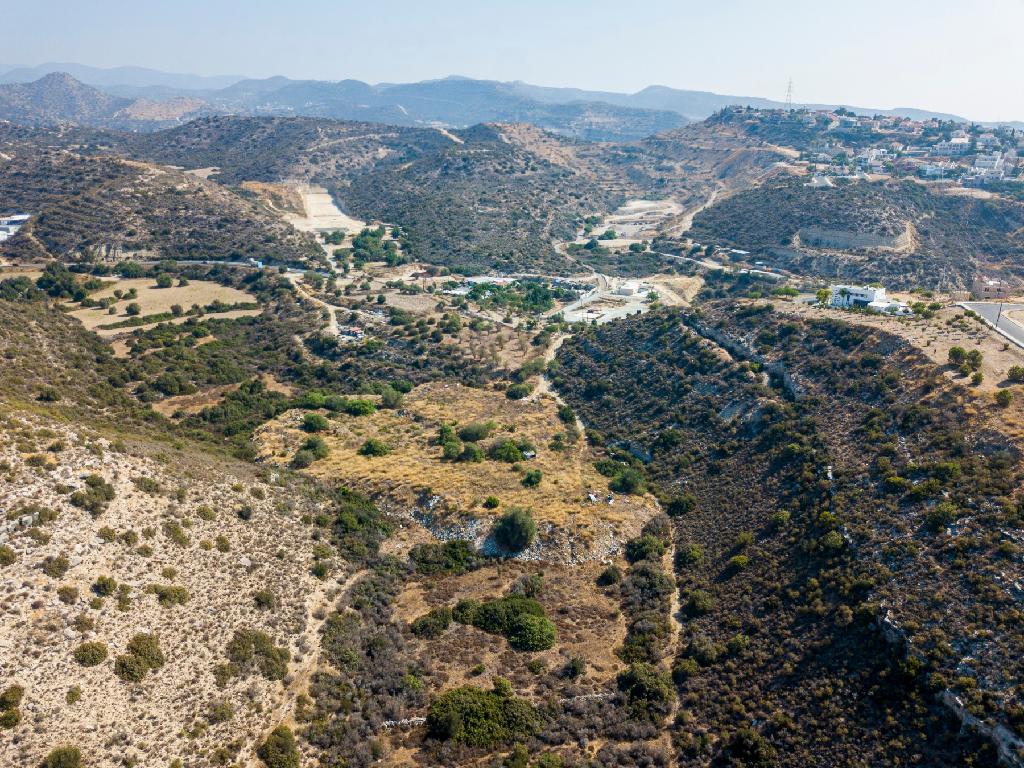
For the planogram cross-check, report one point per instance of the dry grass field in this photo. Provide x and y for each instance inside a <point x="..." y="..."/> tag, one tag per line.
<point x="153" y="300"/>
<point x="415" y="466"/>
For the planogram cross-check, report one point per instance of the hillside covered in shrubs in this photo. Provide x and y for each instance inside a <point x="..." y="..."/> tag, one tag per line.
<point x="846" y="534"/>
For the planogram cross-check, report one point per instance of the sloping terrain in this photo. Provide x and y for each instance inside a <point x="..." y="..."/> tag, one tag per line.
<point x="113" y="528"/>
<point x="953" y="236"/>
<point x="104" y="207"/>
<point x="848" y="535"/>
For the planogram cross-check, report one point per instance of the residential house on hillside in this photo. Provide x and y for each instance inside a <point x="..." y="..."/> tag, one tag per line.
<point x="956" y="146"/>
<point x="866" y="297"/>
<point x="990" y="289"/>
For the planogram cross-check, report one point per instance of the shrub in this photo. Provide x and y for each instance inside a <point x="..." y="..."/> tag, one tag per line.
<point x="492" y="502"/>
<point x="130" y="668"/>
<point x="532" y="478"/>
<point x="939" y="516"/>
<point x="505" y="450"/>
<point x="479" y="718"/>
<point x="317" y="447"/>
<point x="629" y="481"/>
<point x="63" y="757"/>
<point x="747" y="747"/>
<point x="11" y="696"/>
<point x="518" y="391"/>
<point x="515" y="530"/>
<point x="498" y="616"/>
<point x="143" y="655"/>
<point x="219" y="712"/>
<point x="472" y="452"/>
<point x="374" y="447"/>
<point x="456" y="557"/>
<point x="610" y="575"/>
<point x="432" y="624"/>
<point x="690" y="554"/>
<point x="169" y="594"/>
<point x="95" y="496"/>
<point x="739" y="562"/>
<point x="1004" y="397"/>
<point x="700" y="603"/>
<point x="90" y="654"/>
<point x="280" y="749"/>
<point x="465" y="611"/>
<point x="649" y="692"/>
<point x="147" y="485"/>
<point x="644" y="548"/>
<point x="528" y="585"/>
<point x="173" y="531"/>
<point x="55" y="566"/>
<point x="104" y="586"/>
<point x="451" y="450"/>
<point x="477" y="431"/>
<point x="9" y="718"/>
<point x="253" y="651"/>
<point x="391" y="398"/>
<point x="264" y="600"/>
<point x="7" y="555"/>
<point x="315" y="422"/>
<point x="1016" y="373"/>
<point x="303" y="459"/>
<point x="532" y="633"/>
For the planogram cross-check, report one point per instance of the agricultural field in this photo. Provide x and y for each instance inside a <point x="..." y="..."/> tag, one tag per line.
<point x="156" y="304"/>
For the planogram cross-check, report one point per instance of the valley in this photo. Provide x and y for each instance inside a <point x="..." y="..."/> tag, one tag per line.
<point x="586" y="439"/>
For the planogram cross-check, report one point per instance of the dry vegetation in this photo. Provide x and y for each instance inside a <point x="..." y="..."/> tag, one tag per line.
<point x="414" y="470"/>
<point x="170" y="523"/>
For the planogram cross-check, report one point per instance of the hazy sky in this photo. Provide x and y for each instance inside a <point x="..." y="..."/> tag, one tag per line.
<point x="962" y="56"/>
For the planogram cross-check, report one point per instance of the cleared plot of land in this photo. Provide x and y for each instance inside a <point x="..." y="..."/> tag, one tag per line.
<point x="319" y="212"/>
<point x="155" y="301"/>
<point x="414" y="464"/>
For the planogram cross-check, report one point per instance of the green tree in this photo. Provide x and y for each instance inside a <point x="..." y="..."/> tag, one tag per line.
<point x="515" y="530"/>
<point x="280" y="749"/>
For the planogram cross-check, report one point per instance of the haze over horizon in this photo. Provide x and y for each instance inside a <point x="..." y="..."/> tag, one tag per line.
<point x="886" y="55"/>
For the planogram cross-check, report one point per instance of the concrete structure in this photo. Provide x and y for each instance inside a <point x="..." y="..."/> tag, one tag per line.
<point x="628" y="288"/>
<point x="958" y="145"/>
<point x="989" y="289"/>
<point x="866" y="297"/>
<point x="9" y="225"/>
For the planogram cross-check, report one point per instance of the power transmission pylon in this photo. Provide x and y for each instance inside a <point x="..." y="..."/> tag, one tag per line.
<point x="789" y="95"/>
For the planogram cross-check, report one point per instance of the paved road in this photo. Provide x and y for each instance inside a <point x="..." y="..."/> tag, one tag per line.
<point x="991" y="312"/>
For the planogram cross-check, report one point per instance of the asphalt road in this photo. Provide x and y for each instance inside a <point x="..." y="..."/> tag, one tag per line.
<point x="991" y="312"/>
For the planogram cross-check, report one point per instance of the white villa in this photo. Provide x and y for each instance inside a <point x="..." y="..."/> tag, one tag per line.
<point x="866" y="297"/>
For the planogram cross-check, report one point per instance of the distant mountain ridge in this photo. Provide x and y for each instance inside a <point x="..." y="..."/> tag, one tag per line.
<point x="133" y="77"/>
<point x="451" y="102"/>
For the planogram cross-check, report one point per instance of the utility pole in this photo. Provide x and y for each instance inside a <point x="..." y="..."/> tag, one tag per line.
<point x="999" y="314"/>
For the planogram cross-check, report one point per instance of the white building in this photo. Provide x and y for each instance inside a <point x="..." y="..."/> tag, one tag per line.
<point x="958" y="145"/>
<point x="993" y="162"/>
<point x="987" y="141"/>
<point x="866" y="297"/>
